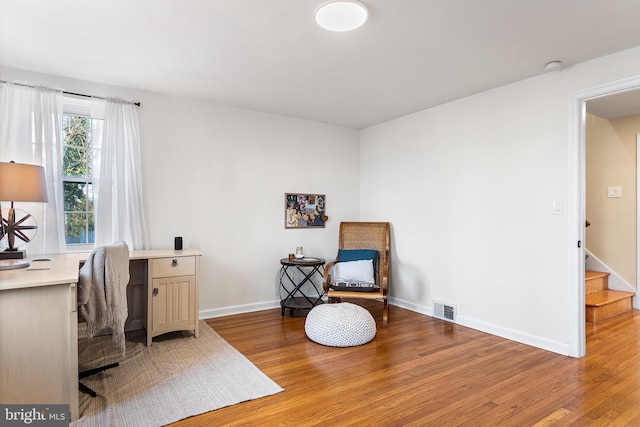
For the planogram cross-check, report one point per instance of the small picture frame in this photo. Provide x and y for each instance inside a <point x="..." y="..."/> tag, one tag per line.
<point x="303" y="210"/>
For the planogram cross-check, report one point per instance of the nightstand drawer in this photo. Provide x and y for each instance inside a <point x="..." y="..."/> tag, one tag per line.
<point x="175" y="266"/>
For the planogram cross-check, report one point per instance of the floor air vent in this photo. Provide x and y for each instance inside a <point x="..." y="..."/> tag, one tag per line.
<point x="445" y="311"/>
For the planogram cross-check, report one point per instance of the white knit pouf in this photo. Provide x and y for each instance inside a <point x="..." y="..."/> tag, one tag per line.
<point x="340" y="325"/>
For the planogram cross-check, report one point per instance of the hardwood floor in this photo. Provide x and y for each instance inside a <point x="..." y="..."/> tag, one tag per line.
<point x="422" y="371"/>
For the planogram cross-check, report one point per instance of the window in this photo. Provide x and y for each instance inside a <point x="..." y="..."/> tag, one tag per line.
<point x="78" y="152"/>
<point x="77" y="180"/>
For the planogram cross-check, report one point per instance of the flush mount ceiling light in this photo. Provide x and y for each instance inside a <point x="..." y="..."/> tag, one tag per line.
<point x="341" y="15"/>
<point x="553" y="65"/>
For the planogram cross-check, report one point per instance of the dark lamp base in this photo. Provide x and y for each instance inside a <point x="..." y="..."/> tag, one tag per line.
<point x="6" y="254"/>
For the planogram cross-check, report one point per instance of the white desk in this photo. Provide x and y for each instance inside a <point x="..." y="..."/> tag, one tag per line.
<point x="39" y="335"/>
<point x="39" y="322"/>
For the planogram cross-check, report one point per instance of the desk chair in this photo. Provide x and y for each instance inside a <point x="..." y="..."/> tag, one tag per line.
<point x="102" y="297"/>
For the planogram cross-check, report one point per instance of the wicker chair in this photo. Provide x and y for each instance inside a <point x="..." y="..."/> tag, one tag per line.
<point x="364" y="235"/>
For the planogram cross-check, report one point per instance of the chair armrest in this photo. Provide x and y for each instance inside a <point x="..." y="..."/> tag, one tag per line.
<point x="326" y="276"/>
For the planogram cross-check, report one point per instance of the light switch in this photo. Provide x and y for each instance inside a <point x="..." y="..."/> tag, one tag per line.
<point x="557" y="207"/>
<point x="614" y="192"/>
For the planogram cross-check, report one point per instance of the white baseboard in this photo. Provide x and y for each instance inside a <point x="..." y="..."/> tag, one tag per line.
<point x="510" y="334"/>
<point x="543" y="343"/>
<point x="238" y="309"/>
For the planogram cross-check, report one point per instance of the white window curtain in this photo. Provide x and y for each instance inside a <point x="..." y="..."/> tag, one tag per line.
<point x="117" y="178"/>
<point x="30" y="132"/>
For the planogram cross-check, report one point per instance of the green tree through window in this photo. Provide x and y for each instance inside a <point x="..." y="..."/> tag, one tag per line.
<point x="77" y="180"/>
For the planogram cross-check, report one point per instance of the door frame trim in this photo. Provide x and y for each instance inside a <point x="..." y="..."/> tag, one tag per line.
<point x="635" y="298"/>
<point x="577" y="206"/>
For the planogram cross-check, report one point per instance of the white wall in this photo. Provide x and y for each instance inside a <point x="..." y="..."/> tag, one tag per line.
<point x="468" y="187"/>
<point x="217" y="176"/>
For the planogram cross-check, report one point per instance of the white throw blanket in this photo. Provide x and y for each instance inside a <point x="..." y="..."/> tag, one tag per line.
<point x="102" y="291"/>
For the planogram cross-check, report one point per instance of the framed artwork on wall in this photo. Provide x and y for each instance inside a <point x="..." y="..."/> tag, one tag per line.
<point x="304" y="210"/>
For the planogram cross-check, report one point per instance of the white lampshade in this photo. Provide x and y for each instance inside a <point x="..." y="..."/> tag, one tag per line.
<point x="19" y="183"/>
<point x="341" y="15"/>
<point x="22" y="183"/>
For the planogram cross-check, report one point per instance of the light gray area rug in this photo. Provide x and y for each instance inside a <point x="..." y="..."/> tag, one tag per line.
<point x="177" y="377"/>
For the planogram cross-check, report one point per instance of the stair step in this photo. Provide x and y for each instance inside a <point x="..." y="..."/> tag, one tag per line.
<point x="599" y="299"/>
<point x="605" y="304"/>
<point x="595" y="281"/>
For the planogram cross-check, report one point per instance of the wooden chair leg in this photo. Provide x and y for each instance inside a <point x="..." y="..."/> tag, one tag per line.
<point x="385" y="313"/>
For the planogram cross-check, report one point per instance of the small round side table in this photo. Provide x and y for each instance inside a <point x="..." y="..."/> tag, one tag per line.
<point x="293" y="294"/>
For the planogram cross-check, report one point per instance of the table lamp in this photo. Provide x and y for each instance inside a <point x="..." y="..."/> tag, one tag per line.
<point x="19" y="183"/>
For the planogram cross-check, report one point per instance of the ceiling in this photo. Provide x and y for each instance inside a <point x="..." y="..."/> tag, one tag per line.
<point x="616" y="106"/>
<point x="271" y="56"/>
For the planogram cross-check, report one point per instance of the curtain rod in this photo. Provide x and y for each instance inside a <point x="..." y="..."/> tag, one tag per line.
<point x="137" y="104"/>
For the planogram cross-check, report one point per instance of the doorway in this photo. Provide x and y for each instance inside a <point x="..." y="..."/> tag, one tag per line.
<point x="594" y="96"/>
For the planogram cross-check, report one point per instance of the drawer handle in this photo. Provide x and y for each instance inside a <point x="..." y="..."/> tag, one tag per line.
<point x="174" y="263"/>
<point x="155" y="291"/>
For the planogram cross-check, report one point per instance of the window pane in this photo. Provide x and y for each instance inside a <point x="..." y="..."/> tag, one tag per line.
<point x="77" y="146"/>
<point x="76" y="130"/>
<point x="75" y="196"/>
<point x="79" y="228"/>
<point x="74" y="162"/>
<point x="75" y="225"/>
<point x="91" y="228"/>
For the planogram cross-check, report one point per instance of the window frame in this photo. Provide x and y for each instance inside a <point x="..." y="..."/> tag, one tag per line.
<point x="73" y="106"/>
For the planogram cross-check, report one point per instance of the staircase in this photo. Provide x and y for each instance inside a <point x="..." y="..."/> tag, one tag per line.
<point x="601" y="302"/>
